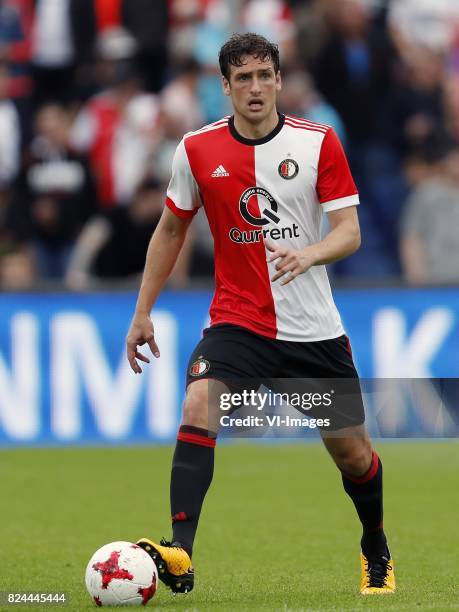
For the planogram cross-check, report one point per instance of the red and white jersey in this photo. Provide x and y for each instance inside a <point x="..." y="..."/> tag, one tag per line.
<point x="274" y="189"/>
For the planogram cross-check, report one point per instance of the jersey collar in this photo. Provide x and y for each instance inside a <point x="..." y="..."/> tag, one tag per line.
<point x="256" y="141"/>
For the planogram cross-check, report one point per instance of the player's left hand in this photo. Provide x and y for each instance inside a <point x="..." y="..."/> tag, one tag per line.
<point x="291" y="262"/>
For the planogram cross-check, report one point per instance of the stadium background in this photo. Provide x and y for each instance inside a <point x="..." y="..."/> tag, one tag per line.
<point x="94" y="96"/>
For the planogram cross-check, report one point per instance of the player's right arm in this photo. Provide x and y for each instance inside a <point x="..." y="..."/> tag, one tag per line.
<point x="162" y="253"/>
<point x="183" y="201"/>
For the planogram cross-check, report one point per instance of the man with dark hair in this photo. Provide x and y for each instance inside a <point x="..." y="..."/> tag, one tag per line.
<point x="233" y="52"/>
<point x="264" y="180"/>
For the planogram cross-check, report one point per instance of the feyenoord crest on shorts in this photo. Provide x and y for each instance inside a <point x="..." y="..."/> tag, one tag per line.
<point x="199" y="367"/>
<point x="273" y="189"/>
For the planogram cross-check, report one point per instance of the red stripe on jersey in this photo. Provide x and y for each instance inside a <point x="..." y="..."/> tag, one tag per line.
<point x="243" y="293"/>
<point x="219" y="122"/>
<point x="319" y="126"/>
<point x="298" y="127"/>
<point x="304" y="127"/>
<point x="210" y="126"/>
<point x="306" y="121"/>
<point x="179" y="212"/>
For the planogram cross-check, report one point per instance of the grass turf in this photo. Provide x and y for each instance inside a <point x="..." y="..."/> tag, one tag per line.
<point x="277" y="531"/>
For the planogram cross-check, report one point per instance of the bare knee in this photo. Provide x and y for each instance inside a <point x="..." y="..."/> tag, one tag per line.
<point x="354" y="458"/>
<point x="195" y="407"/>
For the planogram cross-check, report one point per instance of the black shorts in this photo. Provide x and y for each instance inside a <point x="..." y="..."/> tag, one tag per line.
<point x="231" y="353"/>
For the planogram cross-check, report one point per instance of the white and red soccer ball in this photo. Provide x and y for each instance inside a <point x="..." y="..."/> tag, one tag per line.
<point x="121" y="574"/>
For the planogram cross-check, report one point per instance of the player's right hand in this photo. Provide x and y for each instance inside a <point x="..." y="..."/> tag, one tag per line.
<point x="140" y="332"/>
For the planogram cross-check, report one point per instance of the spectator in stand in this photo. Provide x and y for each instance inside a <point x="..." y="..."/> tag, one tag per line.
<point x="148" y="22"/>
<point x="9" y="161"/>
<point x="299" y="97"/>
<point x="54" y="195"/>
<point x="63" y="40"/>
<point x="413" y="116"/>
<point x="10" y="133"/>
<point x="53" y="51"/>
<point x="274" y="20"/>
<point x="429" y="244"/>
<point x="311" y="19"/>
<point x="181" y="112"/>
<point x="17" y="268"/>
<point x="415" y="110"/>
<point x="426" y="24"/>
<point x="210" y="34"/>
<point x="205" y="20"/>
<point x="119" y="130"/>
<point x="352" y="70"/>
<point x="16" y="18"/>
<point x="11" y="30"/>
<point x="64" y="36"/>
<point x="114" y="245"/>
<point x="179" y="102"/>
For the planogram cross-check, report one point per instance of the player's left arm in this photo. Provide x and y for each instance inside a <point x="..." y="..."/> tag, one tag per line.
<point x="342" y="240"/>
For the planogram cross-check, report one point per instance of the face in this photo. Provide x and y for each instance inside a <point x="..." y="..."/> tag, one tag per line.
<point x="252" y="88"/>
<point x="352" y="17"/>
<point x="52" y="124"/>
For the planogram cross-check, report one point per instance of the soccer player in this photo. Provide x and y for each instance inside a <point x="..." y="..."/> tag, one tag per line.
<point x="264" y="180"/>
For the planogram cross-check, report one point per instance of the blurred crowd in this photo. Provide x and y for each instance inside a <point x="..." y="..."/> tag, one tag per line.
<point x="96" y="94"/>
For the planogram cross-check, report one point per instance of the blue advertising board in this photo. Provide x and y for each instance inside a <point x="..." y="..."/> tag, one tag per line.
<point x="64" y="378"/>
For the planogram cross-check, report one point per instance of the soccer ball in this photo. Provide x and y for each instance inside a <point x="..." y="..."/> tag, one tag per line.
<point x="121" y="574"/>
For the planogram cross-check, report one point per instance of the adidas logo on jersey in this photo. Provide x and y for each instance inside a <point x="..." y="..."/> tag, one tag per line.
<point x="220" y="171"/>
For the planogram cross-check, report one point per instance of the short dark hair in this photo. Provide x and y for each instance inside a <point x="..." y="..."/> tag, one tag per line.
<point x="247" y="44"/>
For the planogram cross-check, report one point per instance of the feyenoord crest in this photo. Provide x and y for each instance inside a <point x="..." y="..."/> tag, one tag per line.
<point x="199" y="367"/>
<point x="288" y="169"/>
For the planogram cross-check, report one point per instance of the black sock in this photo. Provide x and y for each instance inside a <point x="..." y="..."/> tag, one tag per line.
<point x="192" y="471"/>
<point x="367" y="494"/>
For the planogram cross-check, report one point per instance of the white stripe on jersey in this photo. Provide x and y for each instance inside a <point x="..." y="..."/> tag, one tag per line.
<point x="208" y="128"/>
<point x="352" y="200"/>
<point x="311" y="128"/>
<point x="314" y="124"/>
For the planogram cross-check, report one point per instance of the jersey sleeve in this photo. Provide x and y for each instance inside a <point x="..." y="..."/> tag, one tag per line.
<point x="183" y="192"/>
<point x="335" y="186"/>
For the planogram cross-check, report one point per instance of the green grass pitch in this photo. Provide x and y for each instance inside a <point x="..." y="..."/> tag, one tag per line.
<point x="277" y="531"/>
